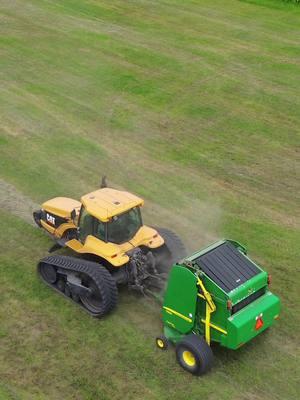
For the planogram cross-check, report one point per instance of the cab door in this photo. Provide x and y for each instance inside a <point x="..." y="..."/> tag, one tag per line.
<point x="85" y="225"/>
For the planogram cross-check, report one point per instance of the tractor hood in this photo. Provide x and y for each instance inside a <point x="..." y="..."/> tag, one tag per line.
<point x="61" y="206"/>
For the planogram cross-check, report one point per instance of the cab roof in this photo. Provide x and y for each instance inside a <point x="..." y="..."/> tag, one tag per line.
<point x="106" y="203"/>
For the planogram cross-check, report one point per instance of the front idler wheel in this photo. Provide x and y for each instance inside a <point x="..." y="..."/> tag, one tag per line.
<point x="48" y="273"/>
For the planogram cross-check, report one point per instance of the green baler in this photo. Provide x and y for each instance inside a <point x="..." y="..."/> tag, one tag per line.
<point x="216" y="295"/>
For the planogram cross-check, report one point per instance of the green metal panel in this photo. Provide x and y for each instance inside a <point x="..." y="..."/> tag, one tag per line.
<point x="220" y="317"/>
<point x="241" y="326"/>
<point x="184" y="310"/>
<point x="172" y="334"/>
<point x="180" y="300"/>
<point x="249" y="287"/>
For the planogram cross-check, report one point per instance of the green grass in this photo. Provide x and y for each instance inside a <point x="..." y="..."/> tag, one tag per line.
<point x="193" y="105"/>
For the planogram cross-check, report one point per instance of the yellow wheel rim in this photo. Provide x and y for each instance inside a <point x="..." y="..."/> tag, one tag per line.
<point x="189" y="358"/>
<point x="160" y="343"/>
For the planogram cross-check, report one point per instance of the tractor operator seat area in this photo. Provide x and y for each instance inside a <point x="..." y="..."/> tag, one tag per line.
<point x="119" y="229"/>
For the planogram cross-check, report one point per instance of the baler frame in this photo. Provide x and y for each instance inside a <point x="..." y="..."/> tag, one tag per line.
<point x="224" y="277"/>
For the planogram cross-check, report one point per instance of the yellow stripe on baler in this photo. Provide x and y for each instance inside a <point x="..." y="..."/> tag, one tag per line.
<point x="215" y="327"/>
<point x="170" y="311"/>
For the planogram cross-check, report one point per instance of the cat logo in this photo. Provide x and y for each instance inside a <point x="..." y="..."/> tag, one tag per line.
<point x="50" y="219"/>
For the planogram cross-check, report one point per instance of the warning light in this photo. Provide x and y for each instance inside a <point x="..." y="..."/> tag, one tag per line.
<point x="259" y="323"/>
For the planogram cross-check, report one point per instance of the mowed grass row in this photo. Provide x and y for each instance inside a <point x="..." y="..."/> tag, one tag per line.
<point x="193" y="106"/>
<point x="50" y="348"/>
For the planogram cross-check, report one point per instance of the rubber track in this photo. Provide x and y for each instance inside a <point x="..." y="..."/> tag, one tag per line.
<point x="99" y="274"/>
<point x="173" y="243"/>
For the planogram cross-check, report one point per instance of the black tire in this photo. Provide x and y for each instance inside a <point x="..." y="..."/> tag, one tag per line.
<point x="104" y="292"/>
<point x="171" y="252"/>
<point x="194" y="355"/>
<point x="162" y="342"/>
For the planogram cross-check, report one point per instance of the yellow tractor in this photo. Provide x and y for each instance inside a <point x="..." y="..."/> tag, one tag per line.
<point x="106" y="231"/>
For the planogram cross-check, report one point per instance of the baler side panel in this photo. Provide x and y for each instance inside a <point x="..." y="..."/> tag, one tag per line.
<point x="180" y="301"/>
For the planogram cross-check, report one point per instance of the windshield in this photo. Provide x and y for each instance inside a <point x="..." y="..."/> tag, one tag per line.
<point x="123" y="227"/>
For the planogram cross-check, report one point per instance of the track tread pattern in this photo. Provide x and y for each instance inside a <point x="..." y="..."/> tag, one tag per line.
<point x="99" y="274"/>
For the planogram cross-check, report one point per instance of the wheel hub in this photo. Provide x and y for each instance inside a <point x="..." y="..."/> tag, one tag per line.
<point x="189" y="358"/>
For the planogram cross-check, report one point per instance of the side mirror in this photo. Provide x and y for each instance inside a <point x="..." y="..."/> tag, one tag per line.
<point x="73" y="214"/>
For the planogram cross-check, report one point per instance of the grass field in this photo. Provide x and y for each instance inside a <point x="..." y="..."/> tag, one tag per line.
<point x="193" y="105"/>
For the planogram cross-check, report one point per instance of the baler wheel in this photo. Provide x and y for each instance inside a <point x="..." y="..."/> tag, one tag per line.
<point x="194" y="354"/>
<point x="162" y="342"/>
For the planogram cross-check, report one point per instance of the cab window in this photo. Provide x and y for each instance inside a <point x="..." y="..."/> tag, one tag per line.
<point x="100" y="231"/>
<point x="123" y="227"/>
<point x="86" y="224"/>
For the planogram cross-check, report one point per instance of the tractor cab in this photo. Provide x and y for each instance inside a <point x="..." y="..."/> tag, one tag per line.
<point x="110" y="224"/>
<point x="118" y="229"/>
<point x="106" y="223"/>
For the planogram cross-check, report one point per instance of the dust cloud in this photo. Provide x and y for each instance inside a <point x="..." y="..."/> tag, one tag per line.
<point x="14" y="202"/>
<point x="196" y="222"/>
